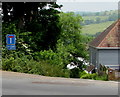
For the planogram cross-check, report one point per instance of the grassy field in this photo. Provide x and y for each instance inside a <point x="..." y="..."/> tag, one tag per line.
<point x="94" y="28"/>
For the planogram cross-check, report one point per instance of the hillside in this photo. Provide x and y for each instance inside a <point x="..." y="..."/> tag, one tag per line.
<point x="96" y="22"/>
<point x="92" y="29"/>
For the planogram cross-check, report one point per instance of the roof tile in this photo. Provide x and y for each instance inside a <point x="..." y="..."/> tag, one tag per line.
<point x="110" y="37"/>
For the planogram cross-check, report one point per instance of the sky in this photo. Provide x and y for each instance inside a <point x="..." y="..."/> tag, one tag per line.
<point x="91" y="6"/>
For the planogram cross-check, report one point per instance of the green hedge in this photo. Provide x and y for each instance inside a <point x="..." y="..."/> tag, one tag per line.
<point x="26" y="65"/>
<point x="95" y="76"/>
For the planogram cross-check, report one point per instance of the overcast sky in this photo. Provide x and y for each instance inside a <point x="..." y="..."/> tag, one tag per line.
<point x="75" y="5"/>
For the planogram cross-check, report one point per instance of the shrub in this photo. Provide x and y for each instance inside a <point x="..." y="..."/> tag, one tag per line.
<point x="81" y="73"/>
<point x="27" y="65"/>
<point x="89" y="76"/>
<point x="7" y="64"/>
<point x="95" y="76"/>
<point x="53" y="58"/>
<point x="104" y="77"/>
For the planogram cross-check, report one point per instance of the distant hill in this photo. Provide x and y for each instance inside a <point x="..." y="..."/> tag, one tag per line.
<point x="102" y="13"/>
<point x="99" y="17"/>
<point x="96" y="22"/>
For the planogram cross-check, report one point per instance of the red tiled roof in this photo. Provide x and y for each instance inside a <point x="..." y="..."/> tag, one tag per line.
<point x="110" y="37"/>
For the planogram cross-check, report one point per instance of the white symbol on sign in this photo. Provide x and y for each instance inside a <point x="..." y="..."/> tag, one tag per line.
<point x="10" y="40"/>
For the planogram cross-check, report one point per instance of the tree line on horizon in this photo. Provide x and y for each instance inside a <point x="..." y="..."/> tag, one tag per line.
<point x="99" y="17"/>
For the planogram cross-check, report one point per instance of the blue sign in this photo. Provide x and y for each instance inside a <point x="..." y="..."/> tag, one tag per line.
<point x="11" y="39"/>
<point x="11" y="47"/>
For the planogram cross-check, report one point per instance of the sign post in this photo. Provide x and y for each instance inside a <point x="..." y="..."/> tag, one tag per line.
<point x="11" y="41"/>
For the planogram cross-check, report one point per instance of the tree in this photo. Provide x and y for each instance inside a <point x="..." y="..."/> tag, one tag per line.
<point x="113" y="17"/>
<point x="39" y="18"/>
<point x="70" y="37"/>
<point x="98" y="20"/>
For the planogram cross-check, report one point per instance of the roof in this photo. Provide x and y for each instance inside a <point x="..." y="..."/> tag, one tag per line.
<point x="109" y="37"/>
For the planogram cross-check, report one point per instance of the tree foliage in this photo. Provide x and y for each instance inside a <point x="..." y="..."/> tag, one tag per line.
<point x="39" y="18"/>
<point x="70" y="36"/>
<point x="46" y="38"/>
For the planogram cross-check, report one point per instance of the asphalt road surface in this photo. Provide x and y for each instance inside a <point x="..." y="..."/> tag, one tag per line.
<point x="27" y="84"/>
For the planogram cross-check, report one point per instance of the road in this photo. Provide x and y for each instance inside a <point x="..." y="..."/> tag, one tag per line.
<point x="28" y="84"/>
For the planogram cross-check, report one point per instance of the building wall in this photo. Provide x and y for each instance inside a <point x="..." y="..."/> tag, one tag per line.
<point x="107" y="57"/>
<point x="94" y="56"/>
<point x="104" y="56"/>
<point x="119" y="57"/>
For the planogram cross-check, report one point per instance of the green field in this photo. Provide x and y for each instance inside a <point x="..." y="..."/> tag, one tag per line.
<point x="94" y="28"/>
